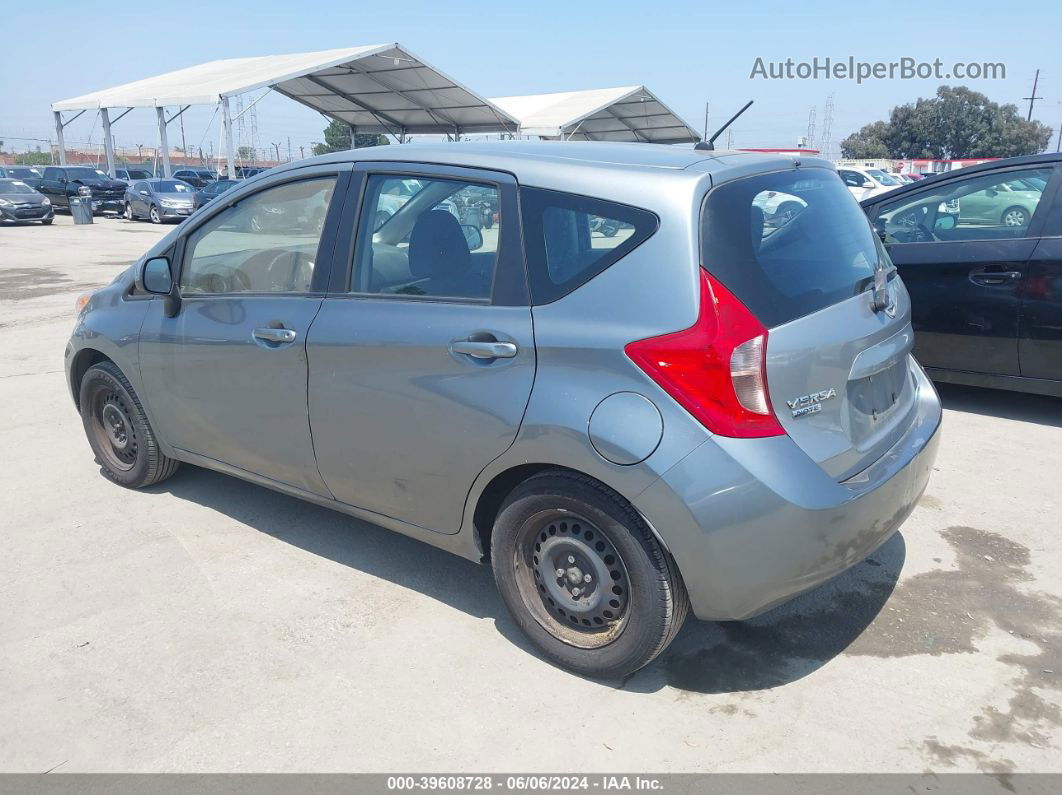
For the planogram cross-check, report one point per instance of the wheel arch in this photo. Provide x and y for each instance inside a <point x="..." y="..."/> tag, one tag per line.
<point x="83" y="360"/>
<point x="492" y="496"/>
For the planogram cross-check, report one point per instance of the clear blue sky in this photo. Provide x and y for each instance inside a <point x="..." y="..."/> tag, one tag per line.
<point x="686" y="52"/>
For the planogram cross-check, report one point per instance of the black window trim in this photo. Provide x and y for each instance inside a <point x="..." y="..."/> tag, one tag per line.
<point x="325" y="248"/>
<point x="1036" y="223"/>
<point x="601" y="265"/>
<point x="509" y="285"/>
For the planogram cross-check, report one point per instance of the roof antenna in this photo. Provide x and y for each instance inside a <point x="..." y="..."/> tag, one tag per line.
<point x="709" y="145"/>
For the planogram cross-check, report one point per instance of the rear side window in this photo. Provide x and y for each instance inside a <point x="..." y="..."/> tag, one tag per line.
<point x="788" y="243"/>
<point x="570" y="239"/>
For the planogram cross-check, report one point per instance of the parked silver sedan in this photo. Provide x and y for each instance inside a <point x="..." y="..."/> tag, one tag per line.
<point x="159" y="200"/>
<point x="703" y="410"/>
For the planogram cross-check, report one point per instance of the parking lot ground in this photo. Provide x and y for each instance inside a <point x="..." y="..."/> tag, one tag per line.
<point x="211" y="625"/>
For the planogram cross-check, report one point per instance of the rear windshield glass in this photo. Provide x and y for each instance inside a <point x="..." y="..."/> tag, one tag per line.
<point x="787" y="243"/>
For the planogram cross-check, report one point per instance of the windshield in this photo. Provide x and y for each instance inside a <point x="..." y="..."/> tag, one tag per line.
<point x="171" y="186"/>
<point x="85" y="173"/>
<point x="883" y="178"/>
<point x="14" y="186"/>
<point x="206" y="174"/>
<point x="788" y="243"/>
<point x="135" y="173"/>
<point x="23" y="173"/>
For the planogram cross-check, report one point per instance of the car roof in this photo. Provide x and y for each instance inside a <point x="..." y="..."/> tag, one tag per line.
<point x="513" y="155"/>
<point x="1007" y="162"/>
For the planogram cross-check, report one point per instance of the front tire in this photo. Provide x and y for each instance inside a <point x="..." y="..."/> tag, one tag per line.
<point x="583" y="576"/>
<point x="47" y="221"/>
<point x="118" y="430"/>
<point x="154" y="215"/>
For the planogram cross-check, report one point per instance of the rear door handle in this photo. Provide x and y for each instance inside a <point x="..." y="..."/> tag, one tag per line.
<point x="484" y="350"/>
<point x="993" y="278"/>
<point x="278" y="336"/>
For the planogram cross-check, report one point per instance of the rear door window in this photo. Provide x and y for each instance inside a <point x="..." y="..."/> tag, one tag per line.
<point x="570" y="239"/>
<point x="788" y="243"/>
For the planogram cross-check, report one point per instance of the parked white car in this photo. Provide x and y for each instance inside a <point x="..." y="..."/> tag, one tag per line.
<point x="863" y="183"/>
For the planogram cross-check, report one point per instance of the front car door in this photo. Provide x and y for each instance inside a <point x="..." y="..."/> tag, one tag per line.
<point x="964" y="274"/>
<point x="422" y="358"/>
<point x="226" y="377"/>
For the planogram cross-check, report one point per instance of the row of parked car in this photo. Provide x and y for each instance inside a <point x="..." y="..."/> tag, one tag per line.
<point x="30" y="194"/>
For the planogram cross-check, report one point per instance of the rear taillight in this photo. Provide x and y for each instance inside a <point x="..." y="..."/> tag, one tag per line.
<point x="715" y="369"/>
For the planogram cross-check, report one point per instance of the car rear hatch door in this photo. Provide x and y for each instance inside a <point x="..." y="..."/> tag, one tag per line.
<point x="838" y="316"/>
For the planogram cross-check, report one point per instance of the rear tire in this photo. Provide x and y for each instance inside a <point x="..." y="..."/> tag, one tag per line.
<point x="583" y="576"/>
<point x="118" y="430"/>
<point x="1014" y="217"/>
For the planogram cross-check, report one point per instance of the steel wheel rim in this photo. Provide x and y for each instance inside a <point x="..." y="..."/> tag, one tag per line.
<point x="114" y="430"/>
<point x="572" y="579"/>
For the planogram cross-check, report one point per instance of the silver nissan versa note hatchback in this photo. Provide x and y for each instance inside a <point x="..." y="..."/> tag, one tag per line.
<point x="714" y="406"/>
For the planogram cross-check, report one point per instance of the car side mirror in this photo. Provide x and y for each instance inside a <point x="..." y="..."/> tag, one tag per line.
<point x="473" y="237"/>
<point x="992" y="192"/>
<point x="144" y="193"/>
<point x="156" y="278"/>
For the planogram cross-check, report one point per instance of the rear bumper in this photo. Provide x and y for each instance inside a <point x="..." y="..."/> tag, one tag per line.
<point x="754" y="522"/>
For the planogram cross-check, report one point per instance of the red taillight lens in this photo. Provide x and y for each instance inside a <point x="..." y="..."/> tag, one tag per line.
<point x="716" y="369"/>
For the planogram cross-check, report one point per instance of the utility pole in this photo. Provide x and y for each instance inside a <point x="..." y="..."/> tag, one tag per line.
<point x="276" y="147"/>
<point x="302" y="153"/>
<point x="705" y="136"/>
<point x="289" y="148"/>
<point x="730" y="138"/>
<point x="1033" y="98"/>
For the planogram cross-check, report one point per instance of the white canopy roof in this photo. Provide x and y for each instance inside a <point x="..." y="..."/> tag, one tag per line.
<point x="380" y="88"/>
<point x="628" y="113"/>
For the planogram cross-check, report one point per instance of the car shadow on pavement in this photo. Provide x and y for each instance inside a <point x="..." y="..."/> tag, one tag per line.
<point x="1003" y="403"/>
<point x="778" y="647"/>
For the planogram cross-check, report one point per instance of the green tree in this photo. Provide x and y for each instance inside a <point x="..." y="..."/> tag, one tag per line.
<point x="956" y="123"/>
<point x="33" y="159"/>
<point x="337" y="138"/>
<point x="245" y="153"/>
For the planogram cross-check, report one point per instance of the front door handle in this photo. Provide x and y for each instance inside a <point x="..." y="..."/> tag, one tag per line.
<point x="986" y="277"/>
<point x="484" y="350"/>
<point x="277" y="336"/>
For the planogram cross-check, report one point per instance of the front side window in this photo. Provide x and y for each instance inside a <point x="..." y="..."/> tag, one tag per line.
<point x="980" y="207"/>
<point x="266" y="243"/>
<point x="427" y="237"/>
<point x="571" y="239"/>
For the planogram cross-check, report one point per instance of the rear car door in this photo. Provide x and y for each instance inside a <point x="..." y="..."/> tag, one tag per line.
<point x="964" y="273"/>
<point x="422" y="358"/>
<point x="54" y="186"/>
<point x="226" y="376"/>
<point x="1040" y="342"/>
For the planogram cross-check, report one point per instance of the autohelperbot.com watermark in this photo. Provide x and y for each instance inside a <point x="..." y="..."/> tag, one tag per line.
<point x="851" y="68"/>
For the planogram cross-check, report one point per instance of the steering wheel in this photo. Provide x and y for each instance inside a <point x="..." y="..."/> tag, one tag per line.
<point x="277" y="275"/>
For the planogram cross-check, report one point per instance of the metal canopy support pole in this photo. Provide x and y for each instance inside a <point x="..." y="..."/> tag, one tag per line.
<point x="108" y="142"/>
<point x="167" y="170"/>
<point x="353" y="136"/>
<point x="230" y="160"/>
<point x="59" y="135"/>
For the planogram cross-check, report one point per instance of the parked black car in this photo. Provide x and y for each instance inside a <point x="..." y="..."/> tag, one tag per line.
<point x="249" y="171"/>
<point x="28" y="174"/>
<point x="212" y="191"/>
<point x="196" y="177"/>
<point x="980" y="250"/>
<point x="62" y="182"/>
<point x="20" y="202"/>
